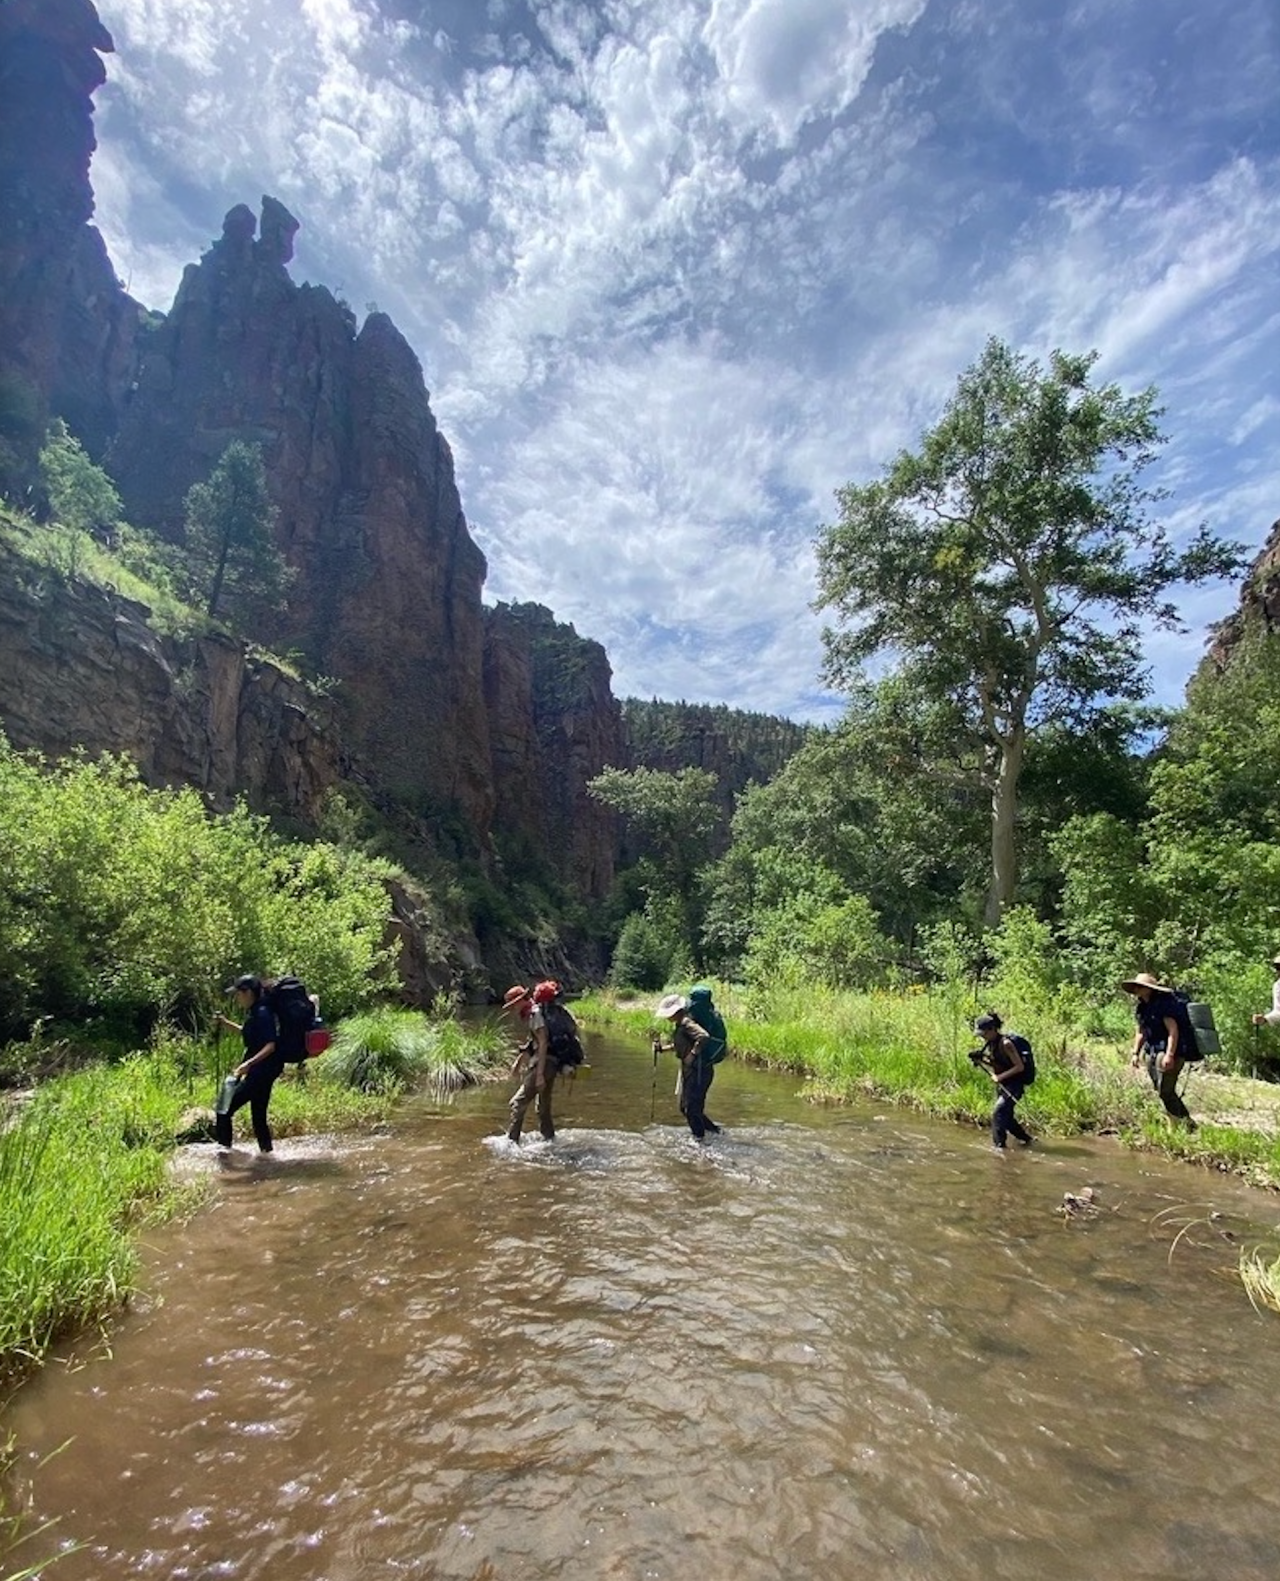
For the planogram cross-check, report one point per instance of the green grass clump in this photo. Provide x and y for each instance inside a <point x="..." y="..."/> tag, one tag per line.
<point x="390" y="1050"/>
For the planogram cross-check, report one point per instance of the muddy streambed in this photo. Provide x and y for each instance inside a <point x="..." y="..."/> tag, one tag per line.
<point x="829" y="1344"/>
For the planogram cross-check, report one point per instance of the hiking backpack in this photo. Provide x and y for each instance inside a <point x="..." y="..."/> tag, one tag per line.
<point x="1197" y="1034"/>
<point x="297" y="1024"/>
<point x="563" y="1043"/>
<point x="711" y="1021"/>
<point x="1028" y="1057"/>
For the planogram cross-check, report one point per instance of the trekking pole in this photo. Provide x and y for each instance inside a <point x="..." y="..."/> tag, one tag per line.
<point x="653" y="1085"/>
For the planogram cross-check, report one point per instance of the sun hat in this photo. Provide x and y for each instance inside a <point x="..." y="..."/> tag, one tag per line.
<point x="544" y="993"/>
<point x="1144" y="980"/>
<point x="987" y="1023"/>
<point x="249" y="983"/>
<point x="1275" y="960"/>
<point x="670" y="1005"/>
<point x="514" y="995"/>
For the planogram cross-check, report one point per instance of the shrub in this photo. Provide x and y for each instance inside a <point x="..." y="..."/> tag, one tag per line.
<point x="387" y="1048"/>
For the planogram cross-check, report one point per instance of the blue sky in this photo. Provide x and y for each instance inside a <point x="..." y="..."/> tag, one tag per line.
<point x="676" y="271"/>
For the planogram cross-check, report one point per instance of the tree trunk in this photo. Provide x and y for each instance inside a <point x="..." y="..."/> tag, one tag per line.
<point x="215" y="593"/>
<point x="1004" y="814"/>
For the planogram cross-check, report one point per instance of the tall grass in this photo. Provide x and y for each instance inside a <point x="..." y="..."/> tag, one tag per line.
<point x="910" y="1048"/>
<point x="390" y="1050"/>
<point x="85" y="1162"/>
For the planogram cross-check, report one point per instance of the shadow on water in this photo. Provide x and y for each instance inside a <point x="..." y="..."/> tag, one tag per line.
<point x="825" y="1344"/>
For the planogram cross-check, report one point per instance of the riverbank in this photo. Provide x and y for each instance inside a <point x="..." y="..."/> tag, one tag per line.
<point x="86" y="1158"/>
<point x="910" y="1049"/>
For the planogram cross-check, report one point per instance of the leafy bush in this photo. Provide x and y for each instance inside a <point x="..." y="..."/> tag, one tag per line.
<point x="642" y="956"/>
<point x="123" y="901"/>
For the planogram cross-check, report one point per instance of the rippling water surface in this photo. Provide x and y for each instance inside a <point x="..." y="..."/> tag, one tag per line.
<point x="829" y="1344"/>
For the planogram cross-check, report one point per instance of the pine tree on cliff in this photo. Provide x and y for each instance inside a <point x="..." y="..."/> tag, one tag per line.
<point x="230" y="542"/>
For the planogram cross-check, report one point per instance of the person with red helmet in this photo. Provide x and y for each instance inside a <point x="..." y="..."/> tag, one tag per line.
<point x="541" y="1064"/>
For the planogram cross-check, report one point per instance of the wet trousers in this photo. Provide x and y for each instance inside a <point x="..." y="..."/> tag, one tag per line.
<point x="696" y="1076"/>
<point x="1004" y="1118"/>
<point x="524" y="1095"/>
<point x="1165" y="1083"/>
<point x="254" y="1090"/>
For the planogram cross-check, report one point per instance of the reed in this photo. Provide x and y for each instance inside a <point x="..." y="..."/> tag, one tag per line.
<point x="1260" y="1275"/>
<point x="85" y="1162"/>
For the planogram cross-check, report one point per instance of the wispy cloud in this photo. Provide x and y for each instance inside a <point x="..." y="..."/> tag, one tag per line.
<point x="677" y="272"/>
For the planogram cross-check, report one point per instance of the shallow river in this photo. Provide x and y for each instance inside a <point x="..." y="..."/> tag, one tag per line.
<point x="829" y="1344"/>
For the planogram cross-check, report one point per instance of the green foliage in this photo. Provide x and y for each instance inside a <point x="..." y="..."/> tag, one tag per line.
<point x="1011" y="565"/>
<point x="86" y="1162"/>
<point x="1193" y="891"/>
<point x="230" y="543"/>
<point x="387" y="1049"/>
<point x="652" y="949"/>
<point x="837" y="944"/>
<point x="746" y="747"/>
<point x="676" y="814"/>
<point x="117" y="899"/>
<point x="81" y="494"/>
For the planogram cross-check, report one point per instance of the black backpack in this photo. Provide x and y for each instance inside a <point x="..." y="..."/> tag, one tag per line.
<point x="1028" y="1058"/>
<point x="295" y="1017"/>
<point x="563" y="1043"/>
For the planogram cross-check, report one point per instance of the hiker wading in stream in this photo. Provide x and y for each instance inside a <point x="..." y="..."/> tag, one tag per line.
<point x="693" y="1047"/>
<point x="1003" y="1058"/>
<point x="261" y="1065"/>
<point x="539" y="1065"/>
<point x="1161" y="1039"/>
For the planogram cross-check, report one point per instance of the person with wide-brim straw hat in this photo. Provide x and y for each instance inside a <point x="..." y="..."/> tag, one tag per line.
<point x="1272" y="1017"/>
<point x="691" y="1044"/>
<point x="1161" y="1032"/>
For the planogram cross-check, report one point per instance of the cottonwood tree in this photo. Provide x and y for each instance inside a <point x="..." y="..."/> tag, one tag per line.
<point x="229" y="542"/>
<point x="1011" y="564"/>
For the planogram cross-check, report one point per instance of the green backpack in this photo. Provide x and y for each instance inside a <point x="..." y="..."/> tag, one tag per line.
<point x="711" y="1022"/>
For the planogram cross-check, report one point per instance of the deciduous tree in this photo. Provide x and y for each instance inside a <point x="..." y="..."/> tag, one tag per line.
<point x="1011" y="564"/>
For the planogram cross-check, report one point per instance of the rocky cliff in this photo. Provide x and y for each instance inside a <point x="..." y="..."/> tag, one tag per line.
<point x="81" y="667"/>
<point x="387" y="597"/>
<point x="554" y="724"/>
<point x="67" y="328"/>
<point x="1259" y="601"/>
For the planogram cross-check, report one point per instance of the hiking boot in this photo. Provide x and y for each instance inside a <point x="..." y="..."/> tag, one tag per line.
<point x="547" y="1136"/>
<point x="513" y="1134"/>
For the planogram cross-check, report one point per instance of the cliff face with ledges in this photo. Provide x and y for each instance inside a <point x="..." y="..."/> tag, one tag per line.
<point x="67" y="328"/>
<point x="82" y="668"/>
<point x="387" y="597"/>
<point x="554" y="724"/>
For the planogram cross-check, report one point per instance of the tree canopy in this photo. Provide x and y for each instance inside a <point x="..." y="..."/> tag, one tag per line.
<point x="1011" y="565"/>
<point x="229" y="534"/>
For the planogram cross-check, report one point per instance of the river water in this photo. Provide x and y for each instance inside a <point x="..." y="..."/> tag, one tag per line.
<point x="831" y="1343"/>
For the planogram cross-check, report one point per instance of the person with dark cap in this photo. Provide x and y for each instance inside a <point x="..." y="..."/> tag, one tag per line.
<point x="1161" y="1039"/>
<point x="1271" y="1018"/>
<point x="1003" y="1059"/>
<point x="540" y="1068"/>
<point x="261" y="1064"/>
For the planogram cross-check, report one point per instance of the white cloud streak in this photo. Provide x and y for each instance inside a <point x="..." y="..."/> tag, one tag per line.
<point x="677" y="272"/>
